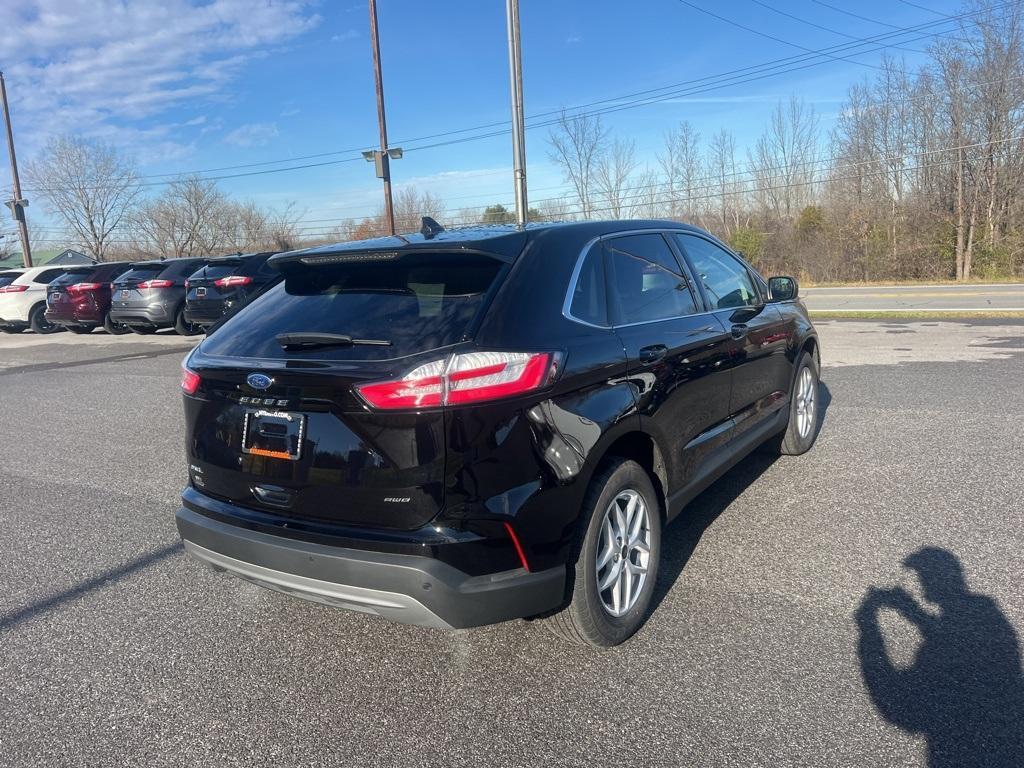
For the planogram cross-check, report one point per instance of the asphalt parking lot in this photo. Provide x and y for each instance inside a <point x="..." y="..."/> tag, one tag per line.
<point x="765" y="647"/>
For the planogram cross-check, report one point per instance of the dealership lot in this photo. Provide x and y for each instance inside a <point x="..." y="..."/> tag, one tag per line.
<point x="117" y="650"/>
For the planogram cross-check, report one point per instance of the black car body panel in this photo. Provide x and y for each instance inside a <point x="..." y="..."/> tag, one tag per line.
<point x="156" y="307"/>
<point x="686" y="395"/>
<point x="223" y="286"/>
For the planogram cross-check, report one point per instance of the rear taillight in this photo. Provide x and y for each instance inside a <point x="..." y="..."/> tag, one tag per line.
<point x="189" y="381"/>
<point x="83" y="287"/>
<point x="471" y="377"/>
<point x="156" y="284"/>
<point x="13" y="288"/>
<point x="232" y="280"/>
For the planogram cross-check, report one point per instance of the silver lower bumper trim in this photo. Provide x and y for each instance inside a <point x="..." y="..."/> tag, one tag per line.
<point x="390" y="605"/>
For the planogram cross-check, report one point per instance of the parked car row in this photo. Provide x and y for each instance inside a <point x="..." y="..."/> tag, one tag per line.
<point x="188" y="294"/>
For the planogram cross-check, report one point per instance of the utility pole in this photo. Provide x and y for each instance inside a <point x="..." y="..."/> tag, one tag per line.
<point x="384" y="156"/>
<point x="515" y="66"/>
<point x="18" y="204"/>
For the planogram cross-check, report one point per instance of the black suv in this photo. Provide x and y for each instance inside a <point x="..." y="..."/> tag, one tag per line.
<point x="151" y="295"/>
<point x="225" y="285"/>
<point x="459" y="428"/>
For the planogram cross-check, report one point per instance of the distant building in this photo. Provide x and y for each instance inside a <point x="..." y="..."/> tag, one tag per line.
<point x="47" y="256"/>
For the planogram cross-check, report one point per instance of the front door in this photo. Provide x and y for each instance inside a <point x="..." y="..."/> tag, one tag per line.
<point x="678" y="355"/>
<point x="761" y="379"/>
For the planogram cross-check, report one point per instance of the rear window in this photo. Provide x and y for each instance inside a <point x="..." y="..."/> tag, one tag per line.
<point x="70" y="278"/>
<point x="141" y="273"/>
<point x="6" y="278"/>
<point x="219" y="269"/>
<point x="418" y="303"/>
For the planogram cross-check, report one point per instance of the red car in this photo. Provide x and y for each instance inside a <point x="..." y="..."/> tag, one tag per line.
<point x="80" y="299"/>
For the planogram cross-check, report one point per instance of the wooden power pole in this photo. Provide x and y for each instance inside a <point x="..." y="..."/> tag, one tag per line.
<point x="18" y="204"/>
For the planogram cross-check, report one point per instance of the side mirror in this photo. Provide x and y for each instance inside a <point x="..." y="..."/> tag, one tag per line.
<point x="783" y="288"/>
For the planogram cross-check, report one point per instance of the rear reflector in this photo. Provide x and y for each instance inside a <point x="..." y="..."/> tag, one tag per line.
<point x="471" y="377"/>
<point x="156" y="284"/>
<point x="189" y="381"/>
<point x="13" y="289"/>
<point x="518" y="546"/>
<point x="232" y="280"/>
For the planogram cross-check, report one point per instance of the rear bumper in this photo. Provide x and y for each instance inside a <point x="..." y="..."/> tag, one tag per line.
<point x="410" y="589"/>
<point x="75" y="317"/>
<point x="142" y="314"/>
<point x="205" y="314"/>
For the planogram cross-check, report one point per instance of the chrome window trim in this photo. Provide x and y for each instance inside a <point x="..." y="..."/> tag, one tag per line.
<point x="567" y="303"/>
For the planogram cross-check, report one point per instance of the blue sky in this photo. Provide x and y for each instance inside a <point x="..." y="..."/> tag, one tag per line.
<point x="186" y="85"/>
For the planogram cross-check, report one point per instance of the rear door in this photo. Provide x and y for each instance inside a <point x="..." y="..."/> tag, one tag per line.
<point x="763" y="372"/>
<point x="678" y="354"/>
<point x="345" y="463"/>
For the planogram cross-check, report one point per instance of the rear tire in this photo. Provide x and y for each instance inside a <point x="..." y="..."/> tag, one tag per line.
<point x="142" y="330"/>
<point x="114" y="328"/>
<point x="80" y="328"/>
<point x="804" y="421"/>
<point x="621" y="500"/>
<point x="39" y="324"/>
<point x="13" y="328"/>
<point x="185" y="328"/>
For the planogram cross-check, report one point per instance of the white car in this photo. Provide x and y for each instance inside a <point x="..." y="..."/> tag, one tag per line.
<point x="23" y="299"/>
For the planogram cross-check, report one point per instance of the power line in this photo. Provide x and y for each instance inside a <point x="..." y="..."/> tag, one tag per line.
<point x="822" y="27"/>
<point x="730" y="77"/>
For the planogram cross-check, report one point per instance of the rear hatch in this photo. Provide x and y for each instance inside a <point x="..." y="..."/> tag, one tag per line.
<point x="208" y="288"/>
<point x="279" y="426"/>
<point x="132" y="288"/>
<point x="61" y="298"/>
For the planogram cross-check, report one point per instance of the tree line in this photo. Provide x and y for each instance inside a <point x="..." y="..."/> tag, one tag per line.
<point x="920" y="177"/>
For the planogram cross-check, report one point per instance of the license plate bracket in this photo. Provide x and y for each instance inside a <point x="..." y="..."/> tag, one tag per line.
<point x="274" y="434"/>
<point x="124" y="294"/>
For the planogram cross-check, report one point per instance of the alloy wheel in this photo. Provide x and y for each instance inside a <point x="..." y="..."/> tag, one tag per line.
<point x="623" y="552"/>
<point x="806" y="403"/>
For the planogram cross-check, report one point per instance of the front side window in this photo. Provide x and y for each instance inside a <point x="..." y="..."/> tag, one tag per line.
<point x="646" y="282"/>
<point x="726" y="281"/>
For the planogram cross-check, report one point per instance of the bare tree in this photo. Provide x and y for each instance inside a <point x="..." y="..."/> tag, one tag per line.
<point x="682" y="168"/>
<point x="612" y="174"/>
<point x="191" y="217"/>
<point x="90" y="185"/>
<point x="782" y="159"/>
<point x="577" y="146"/>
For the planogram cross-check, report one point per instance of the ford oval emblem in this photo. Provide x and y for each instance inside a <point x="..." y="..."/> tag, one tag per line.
<point x="259" y="381"/>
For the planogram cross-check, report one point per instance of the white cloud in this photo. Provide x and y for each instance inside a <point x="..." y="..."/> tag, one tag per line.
<point x="573" y="39"/>
<point x="348" y="34"/>
<point x="112" y="69"/>
<point x="252" y="135"/>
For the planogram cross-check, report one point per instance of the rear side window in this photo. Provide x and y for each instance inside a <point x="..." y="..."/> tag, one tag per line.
<point x="645" y="280"/>
<point x="726" y="281"/>
<point x="589" y="300"/>
<point x="418" y="303"/>
<point x="6" y="278"/>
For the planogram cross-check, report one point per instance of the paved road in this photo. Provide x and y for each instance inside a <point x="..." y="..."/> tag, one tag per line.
<point x="943" y="298"/>
<point x="115" y="650"/>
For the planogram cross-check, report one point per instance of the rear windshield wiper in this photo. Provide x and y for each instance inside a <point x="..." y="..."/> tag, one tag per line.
<point x="313" y="340"/>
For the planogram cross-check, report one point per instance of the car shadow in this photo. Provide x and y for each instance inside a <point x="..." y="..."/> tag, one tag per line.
<point x="964" y="691"/>
<point x="111" y="576"/>
<point x="680" y="538"/>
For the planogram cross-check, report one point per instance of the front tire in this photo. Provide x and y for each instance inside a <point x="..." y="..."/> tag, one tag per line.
<point x="613" y="578"/>
<point x="39" y="324"/>
<point x="804" y="417"/>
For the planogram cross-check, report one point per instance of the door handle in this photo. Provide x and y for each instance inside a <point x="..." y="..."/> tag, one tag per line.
<point x="739" y="330"/>
<point x="653" y="353"/>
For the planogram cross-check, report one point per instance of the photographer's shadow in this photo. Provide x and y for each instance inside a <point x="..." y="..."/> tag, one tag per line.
<point x="964" y="691"/>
